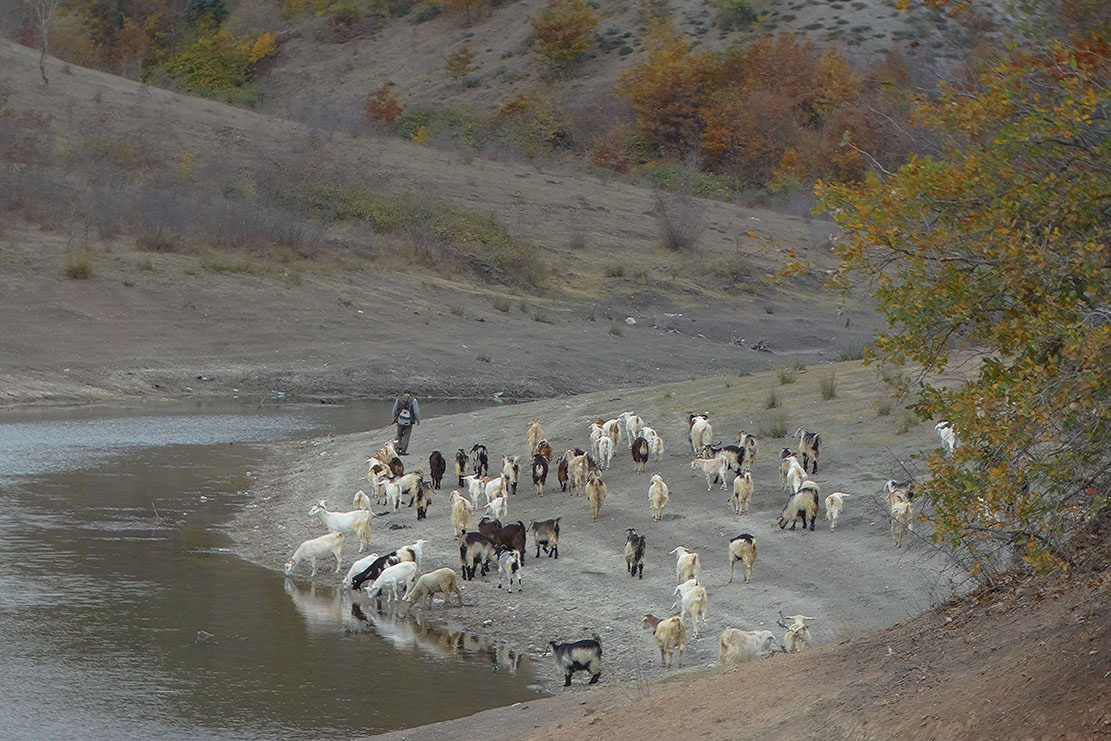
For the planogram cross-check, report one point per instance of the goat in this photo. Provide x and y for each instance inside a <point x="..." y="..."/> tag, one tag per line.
<point x="396" y="580"/>
<point x="498" y="507"/>
<point x="605" y="451"/>
<point x="834" y="503"/>
<point x="690" y="597"/>
<point x="413" y="552"/>
<point x="687" y="565"/>
<point x="749" y="443"/>
<point x="376" y="472"/>
<point x="397" y="467"/>
<point x="545" y="533"/>
<point x="899" y="491"/>
<point x="577" y="469"/>
<point x="563" y="469"/>
<point x="496" y="487"/>
<point x="511" y="470"/>
<point x="809" y="448"/>
<point x="356" y="568"/>
<point x="461" y="461"/>
<point x="480" y="461"/>
<point x="511" y="535"/>
<point x="713" y="468"/>
<point x="533" y="435"/>
<point x="409" y="483"/>
<point x="462" y="512"/>
<point x="734" y="455"/>
<point x="475" y="549"/>
<point x="539" y="473"/>
<point x="802" y="504"/>
<point x="632" y="422"/>
<point x="797" y="636"/>
<point x="792" y="473"/>
<point x="670" y="634"/>
<point x="635" y="545"/>
<point x="613" y="429"/>
<point x="356" y="521"/>
<point x="640" y="451"/>
<point x="545" y="450"/>
<point x="441" y="581"/>
<point x="436" y="468"/>
<point x="655" y="443"/>
<point x="701" y="433"/>
<point x="658" y="497"/>
<point x="597" y="432"/>
<point x="386" y="453"/>
<point x="374" y="569"/>
<point x="423" y="498"/>
<point x="596" y="493"/>
<point x="742" y="493"/>
<point x="948" y="435"/>
<point x="741" y="646"/>
<point x="361" y="500"/>
<point x="314" y="548"/>
<point x="742" y="548"/>
<point x="509" y="567"/>
<point x="902" y="522"/>
<point x="578" y="656"/>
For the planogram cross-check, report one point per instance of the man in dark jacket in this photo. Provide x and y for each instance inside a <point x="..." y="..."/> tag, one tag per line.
<point x="406" y="413"/>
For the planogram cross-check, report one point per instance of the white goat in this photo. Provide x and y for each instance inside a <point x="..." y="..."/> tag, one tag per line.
<point x="314" y="548"/>
<point x="361" y="500"/>
<point x="633" y="422"/>
<point x="902" y="522"/>
<point x="462" y="513"/>
<point x="742" y="493"/>
<point x="690" y="598"/>
<point x="412" y="552"/>
<point x="748" y="442"/>
<point x="948" y="436"/>
<point x="498" y="508"/>
<point x="658" y="497"/>
<point x="655" y="443"/>
<point x="713" y="468"/>
<point x="797" y="636"/>
<point x="742" y="548"/>
<point x="509" y="568"/>
<point x="612" y="428"/>
<point x="577" y="469"/>
<point x="394" y="582"/>
<point x="792" y="474"/>
<point x="834" y="503"/>
<point x="701" y="433"/>
<point x="687" y="565"/>
<point x="356" y="521"/>
<point x="670" y="634"/>
<point x="605" y="451"/>
<point x="441" y="581"/>
<point x="595" y="493"/>
<point x="741" y="646"/>
<point x="597" y="432"/>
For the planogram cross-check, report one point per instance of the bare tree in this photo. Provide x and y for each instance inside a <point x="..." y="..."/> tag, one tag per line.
<point x="44" y="14"/>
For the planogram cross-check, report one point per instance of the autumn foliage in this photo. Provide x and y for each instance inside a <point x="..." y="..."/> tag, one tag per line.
<point x="775" y="108"/>
<point x="999" y="244"/>
<point x="382" y="107"/>
<point x="564" y="29"/>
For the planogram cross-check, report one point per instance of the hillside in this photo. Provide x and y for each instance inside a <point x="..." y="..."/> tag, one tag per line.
<point x="155" y="187"/>
<point x="315" y="78"/>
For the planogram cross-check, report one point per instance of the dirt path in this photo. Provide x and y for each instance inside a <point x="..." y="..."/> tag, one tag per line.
<point x="852" y="580"/>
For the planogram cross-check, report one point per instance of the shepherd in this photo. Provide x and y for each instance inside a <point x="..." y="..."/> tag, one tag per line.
<point x="406" y="413"/>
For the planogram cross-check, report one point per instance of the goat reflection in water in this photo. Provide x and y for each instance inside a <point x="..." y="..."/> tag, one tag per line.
<point x="332" y="610"/>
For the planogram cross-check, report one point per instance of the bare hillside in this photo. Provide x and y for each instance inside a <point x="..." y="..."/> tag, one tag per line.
<point x="345" y="311"/>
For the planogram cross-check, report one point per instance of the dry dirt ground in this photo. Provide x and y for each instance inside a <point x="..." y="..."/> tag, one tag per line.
<point x="852" y="580"/>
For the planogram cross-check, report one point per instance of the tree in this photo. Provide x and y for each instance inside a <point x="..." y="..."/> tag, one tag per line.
<point x="564" y="29"/>
<point x="44" y="16"/>
<point x="1000" y="243"/>
<point x="458" y="62"/>
<point x="382" y="106"/>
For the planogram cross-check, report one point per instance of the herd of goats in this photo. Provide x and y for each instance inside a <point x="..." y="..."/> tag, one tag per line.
<point x="396" y="576"/>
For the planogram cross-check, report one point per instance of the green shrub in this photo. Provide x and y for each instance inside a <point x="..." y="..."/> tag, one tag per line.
<point x="614" y="270"/>
<point x="773" y="425"/>
<point x="501" y="304"/>
<point x="786" y="375"/>
<point x="852" y="352"/>
<point x="79" y="264"/>
<point x="883" y="407"/>
<point x="827" y="384"/>
<point x="541" y="316"/>
<point x="771" y="401"/>
<point x="735" y="15"/>
<point x="456" y="310"/>
<point x="617" y="331"/>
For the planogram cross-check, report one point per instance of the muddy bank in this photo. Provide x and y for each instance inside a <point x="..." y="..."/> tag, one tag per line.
<point x="853" y="580"/>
